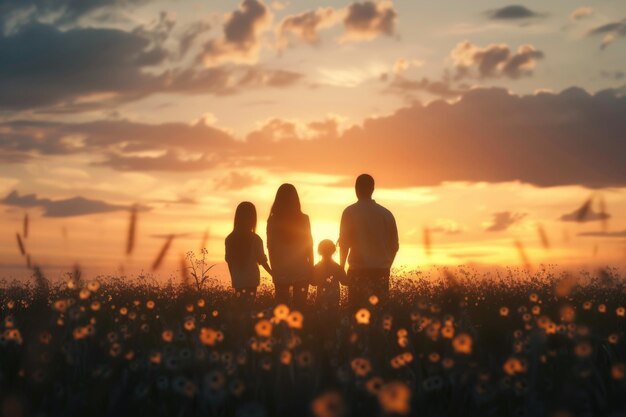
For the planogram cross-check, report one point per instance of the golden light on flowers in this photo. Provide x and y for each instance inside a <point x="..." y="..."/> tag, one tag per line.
<point x="189" y="308"/>
<point x="536" y="310"/>
<point x="587" y="305"/>
<point x="150" y="304"/>
<point x="447" y="363"/>
<point x="394" y="398"/>
<point x="329" y="404"/>
<point x="285" y="357"/>
<point x="209" y="336"/>
<point x="95" y="305"/>
<point x="93" y="286"/>
<point x="533" y="298"/>
<point x="295" y="320"/>
<point x="462" y="344"/>
<point x="447" y="331"/>
<point x="190" y="324"/>
<point x="281" y="312"/>
<point x="263" y="328"/>
<point x="613" y="338"/>
<point x="513" y="366"/>
<point x="583" y="349"/>
<point x="361" y="366"/>
<point x="167" y="336"/>
<point x="373" y="300"/>
<point x="362" y="316"/>
<point x="84" y="294"/>
<point x="305" y="358"/>
<point x="620" y="311"/>
<point x="155" y="358"/>
<point x="618" y="371"/>
<point x="602" y="308"/>
<point x="504" y="311"/>
<point x="201" y="303"/>
<point x="374" y="384"/>
<point x="13" y="335"/>
<point x="568" y="314"/>
<point x="60" y="305"/>
<point x="123" y="311"/>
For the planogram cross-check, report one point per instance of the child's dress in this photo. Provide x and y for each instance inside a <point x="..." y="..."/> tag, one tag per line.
<point x="326" y="277"/>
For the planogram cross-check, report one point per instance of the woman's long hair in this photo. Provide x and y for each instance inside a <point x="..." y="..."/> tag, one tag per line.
<point x="244" y="228"/>
<point x="286" y="214"/>
<point x="286" y="204"/>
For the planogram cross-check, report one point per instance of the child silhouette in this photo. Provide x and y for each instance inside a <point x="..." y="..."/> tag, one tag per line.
<point x="327" y="274"/>
<point x="244" y="254"/>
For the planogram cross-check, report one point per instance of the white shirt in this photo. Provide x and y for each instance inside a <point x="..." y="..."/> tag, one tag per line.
<point x="369" y="230"/>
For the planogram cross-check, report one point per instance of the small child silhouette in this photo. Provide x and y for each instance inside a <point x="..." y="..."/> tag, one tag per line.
<point x="327" y="274"/>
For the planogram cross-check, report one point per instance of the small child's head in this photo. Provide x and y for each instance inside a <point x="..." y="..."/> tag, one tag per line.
<point x="326" y="249"/>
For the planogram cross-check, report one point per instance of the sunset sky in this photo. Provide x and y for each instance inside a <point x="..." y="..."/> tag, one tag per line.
<point x="481" y="121"/>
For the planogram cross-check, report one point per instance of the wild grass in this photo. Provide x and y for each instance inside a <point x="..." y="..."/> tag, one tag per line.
<point x="455" y="343"/>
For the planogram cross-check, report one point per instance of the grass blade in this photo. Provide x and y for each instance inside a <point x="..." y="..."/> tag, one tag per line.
<point x="162" y="253"/>
<point x="132" y="230"/>
<point x="543" y="236"/>
<point x="20" y="244"/>
<point x="25" y="226"/>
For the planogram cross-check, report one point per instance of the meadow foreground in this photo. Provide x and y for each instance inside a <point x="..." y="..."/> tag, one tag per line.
<point x="520" y="345"/>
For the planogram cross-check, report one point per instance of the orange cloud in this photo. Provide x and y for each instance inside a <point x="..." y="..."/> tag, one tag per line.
<point x="242" y="35"/>
<point x="495" y="60"/>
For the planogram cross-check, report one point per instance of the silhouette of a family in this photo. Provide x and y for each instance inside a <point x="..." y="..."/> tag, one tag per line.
<point x="368" y="243"/>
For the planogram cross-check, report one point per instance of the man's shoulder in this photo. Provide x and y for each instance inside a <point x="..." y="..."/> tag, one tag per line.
<point x="383" y="209"/>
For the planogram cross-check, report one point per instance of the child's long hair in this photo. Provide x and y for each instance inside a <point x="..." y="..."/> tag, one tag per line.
<point x="244" y="228"/>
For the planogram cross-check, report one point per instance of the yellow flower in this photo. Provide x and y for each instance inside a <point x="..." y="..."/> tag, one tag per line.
<point x="281" y="312"/>
<point x="295" y="320"/>
<point x="363" y="316"/>
<point x="394" y="398"/>
<point x="462" y="344"/>
<point x="361" y="366"/>
<point x="263" y="328"/>
<point x="329" y="404"/>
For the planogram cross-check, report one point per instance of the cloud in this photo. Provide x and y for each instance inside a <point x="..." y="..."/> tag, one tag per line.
<point x="242" y="35"/>
<point x="404" y="86"/>
<point x="15" y="13"/>
<point x="362" y="21"/>
<point x="235" y="181"/>
<point x="77" y="206"/>
<point x="495" y="60"/>
<point x="108" y="67"/>
<point x="616" y="234"/>
<point x="613" y="75"/>
<point x="191" y="34"/>
<point x="487" y="135"/>
<point x="512" y="12"/>
<point x="369" y="19"/>
<point x="306" y="25"/>
<point x="609" y="32"/>
<point x="581" y="13"/>
<point x="503" y="220"/>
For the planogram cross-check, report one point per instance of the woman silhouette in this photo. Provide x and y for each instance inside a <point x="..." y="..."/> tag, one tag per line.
<point x="290" y="247"/>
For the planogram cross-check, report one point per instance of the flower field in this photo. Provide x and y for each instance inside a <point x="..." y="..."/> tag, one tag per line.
<point x="454" y="343"/>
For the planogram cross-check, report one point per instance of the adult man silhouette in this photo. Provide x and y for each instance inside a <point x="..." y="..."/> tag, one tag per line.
<point x="368" y="241"/>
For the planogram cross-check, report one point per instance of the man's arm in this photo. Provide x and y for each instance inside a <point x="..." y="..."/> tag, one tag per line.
<point x="344" y="240"/>
<point x="394" y="243"/>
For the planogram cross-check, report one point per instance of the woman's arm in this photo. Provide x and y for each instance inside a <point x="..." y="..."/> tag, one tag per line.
<point x="308" y="239"/>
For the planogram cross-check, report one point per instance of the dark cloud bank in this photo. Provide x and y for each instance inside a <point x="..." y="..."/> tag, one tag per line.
<point x="545" y="139"/>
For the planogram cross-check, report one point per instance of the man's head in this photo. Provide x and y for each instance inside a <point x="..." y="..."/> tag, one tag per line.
<point x="364" y="187"/>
